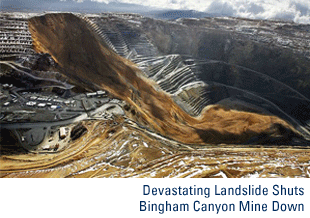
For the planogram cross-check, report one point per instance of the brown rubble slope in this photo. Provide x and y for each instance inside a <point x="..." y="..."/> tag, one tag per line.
<point x="83" y="56"/>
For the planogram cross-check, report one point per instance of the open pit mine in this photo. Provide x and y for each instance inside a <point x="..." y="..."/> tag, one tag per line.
<point x="122" y="95"/>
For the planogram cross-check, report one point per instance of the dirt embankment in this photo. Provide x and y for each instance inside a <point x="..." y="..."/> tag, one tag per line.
<point x="81" y="55"/>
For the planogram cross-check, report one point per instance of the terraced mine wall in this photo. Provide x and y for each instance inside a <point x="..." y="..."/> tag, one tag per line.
<point x="276" y="49"/>
<point x="227" y="83"/>
<point x="15" y="38"/>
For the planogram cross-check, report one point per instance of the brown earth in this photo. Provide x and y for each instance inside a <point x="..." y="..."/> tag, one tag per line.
<point x="83" y="56"/>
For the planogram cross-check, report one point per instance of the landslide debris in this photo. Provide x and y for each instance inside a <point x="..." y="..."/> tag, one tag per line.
<point x="83" y="56"/>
